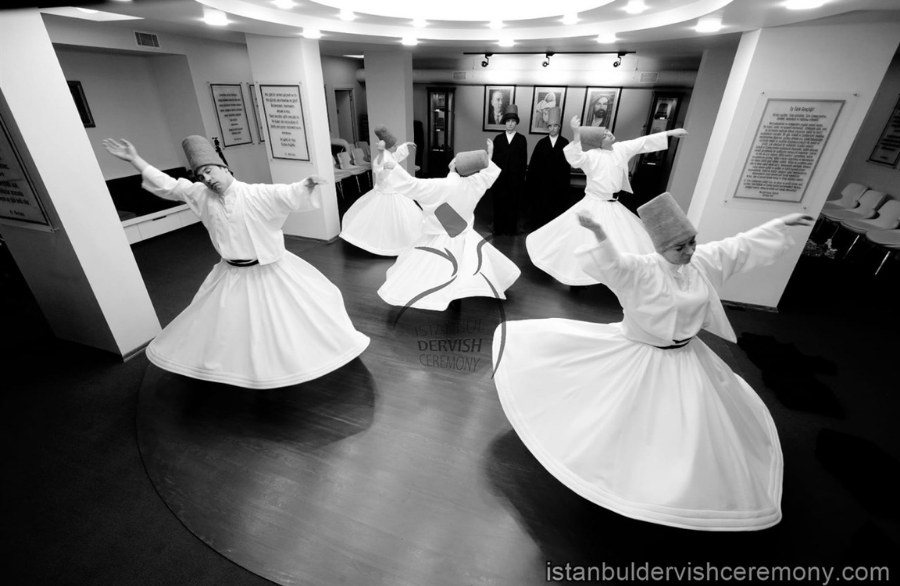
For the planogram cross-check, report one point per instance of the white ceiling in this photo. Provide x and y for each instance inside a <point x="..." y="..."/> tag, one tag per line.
<point x="663" y="33"/>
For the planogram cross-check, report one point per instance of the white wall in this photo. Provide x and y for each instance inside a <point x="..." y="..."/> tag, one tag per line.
<point x="807" y="61"/>
<point x="83" y="275"/>
<point x="857" y="168"/>
<point x="340" y="73"/>
<point x="121" y="91"/>
<point x="209" y="62"/>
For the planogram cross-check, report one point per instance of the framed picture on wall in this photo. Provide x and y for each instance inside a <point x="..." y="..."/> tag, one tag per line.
<point x="600" y="107"/>
<point x="81" y="103"/>
<point x="228" y="99"/>
<point x="663" y="114"/>
<point x="254" y="102"/>
<point x="544" y="99"/>
<point x="887" y="149"/>
<point x="496" y="99"/>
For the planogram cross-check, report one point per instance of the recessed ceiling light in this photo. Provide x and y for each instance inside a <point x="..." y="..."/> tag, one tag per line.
<point x="355" y="56"/>
<point x="410" y="41"/>
<point x="284" y="4"/>
<point x="215" y="18"/>
<point x="419" y="22"/>
<point x="495" y="24"/>
<point x="346" y="14"/>
<point x="86" y="10"/>
<point x="803" y="4"/>
<point x="635" y="7"/>
<point x="506" y="42"/>
<point x="570" y="18"/>
<point x="708" y="25"/>
<point x="311" y="33"/>
<point x="607" y="38"/>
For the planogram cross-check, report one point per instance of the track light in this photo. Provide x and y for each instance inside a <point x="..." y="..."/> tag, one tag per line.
<point x="618" y="60"/>
<point x="547" y="59"/>
<point x="487" y="59"/>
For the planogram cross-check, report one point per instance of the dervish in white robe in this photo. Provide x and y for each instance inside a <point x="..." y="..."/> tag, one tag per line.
<point x="552" y="247"/>
<point x="641" y="417"/>
<point x="277" y="323"/>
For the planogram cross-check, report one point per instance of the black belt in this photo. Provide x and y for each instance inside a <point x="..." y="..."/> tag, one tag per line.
<point x="242" y="263"/>
<point x="677" y="344"/>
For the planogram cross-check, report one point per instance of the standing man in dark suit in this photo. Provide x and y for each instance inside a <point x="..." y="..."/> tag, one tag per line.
<point x="511" y="155"/>
<point x="547" y="184"/>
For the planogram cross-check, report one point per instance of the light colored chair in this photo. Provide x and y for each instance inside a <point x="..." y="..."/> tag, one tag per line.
<point x="867" y="208"/>
<point x="886" y="239"/>
<point x="888" y="218"/>
<point x="849" y="198"/>
<point x="347" y="165"/>
<point x="364" y="145"/>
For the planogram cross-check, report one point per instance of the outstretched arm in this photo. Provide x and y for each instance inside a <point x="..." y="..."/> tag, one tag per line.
<point x="587" y="221"/>
<point x="124" y="150"/>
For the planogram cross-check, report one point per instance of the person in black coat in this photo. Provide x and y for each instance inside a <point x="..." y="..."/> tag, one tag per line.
<point x="511" y="155"/>
<point x="547" y="183"/>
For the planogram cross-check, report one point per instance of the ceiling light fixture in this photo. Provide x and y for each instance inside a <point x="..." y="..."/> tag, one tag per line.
<point x="86" y="10"/>
<point x="547" y="59"/>
<point x="419" y="22"/>
<point x="618" y="60"/>
<point x="708" y="25"/>
<point x="311" y="33"/>
<point x="409" y="41"/>
<point x="803" y="4"/>
<point x="284" y="4"/>
<point x="506" y="43"/>
<point x="346" y="15"/>
<point x="606" y="38"/>
<point x="570" y="18"/>
<point x="487" y="59"/>
<point x="215" y="18"/>
<point x="635" y="7"/>
<point x="496" y="24"/>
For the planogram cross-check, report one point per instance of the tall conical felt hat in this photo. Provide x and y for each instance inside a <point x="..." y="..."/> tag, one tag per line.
<point x="471" y="162"/>
<point x="592" y="137"/>
<point x="665" y="222"/>
<point x="554" y="116"/>
<point x="200" y="152"/>
<point x="512" y="111"/>
<point x="384" y="134"/>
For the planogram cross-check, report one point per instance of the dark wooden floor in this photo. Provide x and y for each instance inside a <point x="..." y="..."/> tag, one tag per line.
<point x="395" y="470"/>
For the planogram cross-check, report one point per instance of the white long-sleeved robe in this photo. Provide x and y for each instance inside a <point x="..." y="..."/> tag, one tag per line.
<point x="277" y="323"/>
<point x="670" y="436"/>
<point x="552" y="248"/>
<point x="382" y="221"/>
<point x="473" y="266"/>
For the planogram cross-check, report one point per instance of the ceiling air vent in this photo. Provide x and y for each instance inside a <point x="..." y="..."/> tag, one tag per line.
<point x="459" y="76"/>
<point x="146" y="39"/>
<point x="649" y="77"/>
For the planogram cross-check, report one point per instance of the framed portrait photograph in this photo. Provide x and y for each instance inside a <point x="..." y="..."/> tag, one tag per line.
<point x="81" y="103"/>
<point x="496" y="99"/>
<point x="544" y="99"/>
<point x="600" y="107"/>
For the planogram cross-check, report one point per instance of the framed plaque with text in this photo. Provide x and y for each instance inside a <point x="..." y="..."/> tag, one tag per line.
<point x="786" y="148"/>
<point x="20" y="203"/>
<point x="283" y="113"/>
<point x="887" y="149"/>
<point x="231" y="114"/>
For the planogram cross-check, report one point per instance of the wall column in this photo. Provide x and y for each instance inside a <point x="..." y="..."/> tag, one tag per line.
<point x="838" y="60"/>
<point x="389" y="94"/>
<point x="83" y="275"/>
<point x="275" y="60"/>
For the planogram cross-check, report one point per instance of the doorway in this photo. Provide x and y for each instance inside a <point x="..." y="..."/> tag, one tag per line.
<point x="346" y="115"/>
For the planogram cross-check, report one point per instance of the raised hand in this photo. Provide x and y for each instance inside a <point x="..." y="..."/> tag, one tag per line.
<point x="797" y="220"/>
<point x="380" y="145"/>
<point x="123" y="150"/>
<point x="490" y="148"/>
<point x="677" y="132"/>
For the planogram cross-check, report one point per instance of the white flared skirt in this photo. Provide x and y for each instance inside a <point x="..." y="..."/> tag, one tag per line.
<point x="260" y="327"/>
<point x="552" y="248"/>
<point x="382" y="223"/>
<point x="672" y="437"/>
<point x="466" y="267"/>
